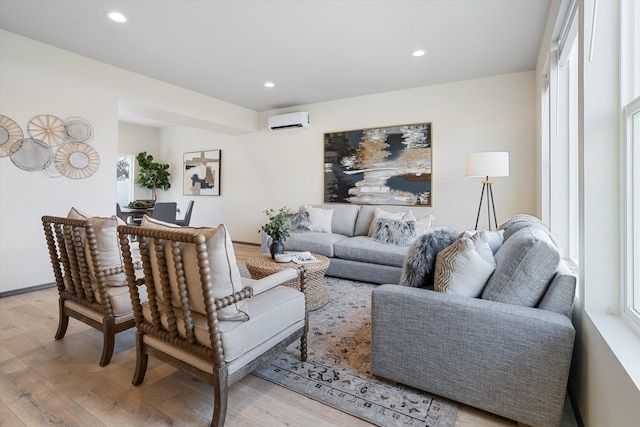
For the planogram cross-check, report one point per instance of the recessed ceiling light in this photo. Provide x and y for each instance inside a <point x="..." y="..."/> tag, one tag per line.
<point x="418" y="53"/>
<point x="269" y="84"/>
<point x="117" y="17"/>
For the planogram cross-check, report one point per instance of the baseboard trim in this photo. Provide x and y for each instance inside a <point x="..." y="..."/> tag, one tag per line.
<point x="25" y="290"/>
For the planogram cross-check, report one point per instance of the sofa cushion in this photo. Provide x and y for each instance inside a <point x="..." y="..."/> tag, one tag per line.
<point x="525" y="264"/>
<point x="394" y="231"/>
<point x="365" y="249"/>
<point x="320" y="218"/>
<point x="313" y="241"/>
<point x="418" y="268"/>
<point x="225" y="275"/>
<point x="464" y="267"/>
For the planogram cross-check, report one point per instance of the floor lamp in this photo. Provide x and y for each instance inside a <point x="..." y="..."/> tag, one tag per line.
<point x="487" y="165"/>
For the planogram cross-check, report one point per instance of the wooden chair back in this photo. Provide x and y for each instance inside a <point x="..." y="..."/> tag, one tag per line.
<point x="73" y="251"/>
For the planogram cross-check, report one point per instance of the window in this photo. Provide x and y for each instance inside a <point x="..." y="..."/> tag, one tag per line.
<point x="560" y="156"/>
<point x="124" y="179"/>
<point x="630" y="89"/>
<point x="631" y="211"/>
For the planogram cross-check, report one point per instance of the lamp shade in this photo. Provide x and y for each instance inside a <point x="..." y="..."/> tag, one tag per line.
<point x="492" y="163"/>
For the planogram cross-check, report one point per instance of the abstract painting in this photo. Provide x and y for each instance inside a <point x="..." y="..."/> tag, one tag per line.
<point x="201" y="173"/>
<point x="387" y="165"/>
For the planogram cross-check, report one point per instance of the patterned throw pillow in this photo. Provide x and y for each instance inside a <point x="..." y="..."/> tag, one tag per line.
<point x="464" y="268"/>
<point x="394" y="231"/>
<point x="299" y="222"/>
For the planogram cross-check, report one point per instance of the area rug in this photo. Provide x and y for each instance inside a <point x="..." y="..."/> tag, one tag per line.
<point x="337" y="370"/>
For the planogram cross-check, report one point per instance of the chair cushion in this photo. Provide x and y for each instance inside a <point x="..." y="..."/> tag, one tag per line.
<point x="271" y="313"/>
<point x="120" y="299"/>
<point x="525" y="264"/>
<point x="108" y="245"/>
<point x="464" y="267"/>
<point x="225" y="275"/>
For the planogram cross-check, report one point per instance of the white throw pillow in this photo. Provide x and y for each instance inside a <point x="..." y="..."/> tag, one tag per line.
<point x="379" y="213"/>
<point x="225" y="275"/>
<point x="493" y="237"/>
<point x="462" y="270"/>
<point x="320" y="218"/>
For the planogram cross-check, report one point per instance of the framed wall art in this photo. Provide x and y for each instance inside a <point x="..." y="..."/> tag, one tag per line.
<point x="388" y="165"/>
<point x="201" y="173"/>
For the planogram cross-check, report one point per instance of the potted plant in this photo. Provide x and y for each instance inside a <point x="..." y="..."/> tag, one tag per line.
<point x="152" y="174"/>
<point x="278" y="229"/>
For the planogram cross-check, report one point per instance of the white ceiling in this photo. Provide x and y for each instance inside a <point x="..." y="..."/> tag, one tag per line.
<point x="313" y="51"/>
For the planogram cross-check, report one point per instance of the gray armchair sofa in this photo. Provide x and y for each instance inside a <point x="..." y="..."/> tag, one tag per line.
<point x="353" y="255"/>
<point x="503" y="357"/>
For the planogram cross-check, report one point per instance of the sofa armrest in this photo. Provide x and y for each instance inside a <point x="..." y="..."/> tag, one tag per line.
<point x="510" y="360"/>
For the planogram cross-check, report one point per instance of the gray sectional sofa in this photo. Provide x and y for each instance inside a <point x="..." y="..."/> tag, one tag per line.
<point x="507" y="352"/>
<point x="353" y="255"/>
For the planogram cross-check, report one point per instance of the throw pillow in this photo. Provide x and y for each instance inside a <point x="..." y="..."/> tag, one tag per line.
<point x="320" y="218"/>
<point x="379" y="213"/>
<point x="108" y="246"/>
<point x="463" y="268"/>
<point x="299" y="222"/>
<point x="493" y="237"/>
<point x="525" y="265"/>
<point x="418" y="268"/>
<point x="394" y="232"/>
<point x="225" y="275"/>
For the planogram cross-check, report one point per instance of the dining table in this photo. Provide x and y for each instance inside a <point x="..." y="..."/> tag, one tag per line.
<point x="129" y="213"/>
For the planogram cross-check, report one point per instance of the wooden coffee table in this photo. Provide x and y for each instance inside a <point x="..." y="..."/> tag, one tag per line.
<point x="317" y="296"/>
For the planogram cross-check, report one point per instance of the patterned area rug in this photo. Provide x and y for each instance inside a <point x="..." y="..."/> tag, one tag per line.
<point x="337" y="370"/>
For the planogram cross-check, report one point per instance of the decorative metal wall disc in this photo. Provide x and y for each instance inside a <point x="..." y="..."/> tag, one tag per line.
<point x="79" y="129"/>
<point x="51" y="170"/>
<point x="49" y="129"/>
<point x="31" y="154"/>
<point x="77" y="160"/>
<point x="10" y="133"/>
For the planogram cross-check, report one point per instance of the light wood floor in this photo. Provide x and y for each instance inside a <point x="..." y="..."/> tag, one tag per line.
<point x="44" y="381"/>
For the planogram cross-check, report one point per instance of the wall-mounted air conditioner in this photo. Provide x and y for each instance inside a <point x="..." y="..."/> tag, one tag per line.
<point x="288" y="121"/>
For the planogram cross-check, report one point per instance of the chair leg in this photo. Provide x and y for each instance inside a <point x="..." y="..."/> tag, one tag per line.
<point x="63" y="322"/>
<point x="141" y="360"/>
<point x="109" y="338"/>
<point x="220" y="397"/>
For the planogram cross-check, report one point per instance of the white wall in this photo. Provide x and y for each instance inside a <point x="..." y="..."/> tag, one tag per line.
<point x="285" y="168"/>
<point x="259" y="169"/>
<point x="38" y="79"/>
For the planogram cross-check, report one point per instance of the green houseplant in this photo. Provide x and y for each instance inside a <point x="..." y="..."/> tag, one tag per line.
<point x="278" y="229"/>
<point x="152" y="174"/>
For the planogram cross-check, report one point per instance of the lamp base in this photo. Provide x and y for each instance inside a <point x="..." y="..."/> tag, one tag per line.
<point x="491" y="207"/>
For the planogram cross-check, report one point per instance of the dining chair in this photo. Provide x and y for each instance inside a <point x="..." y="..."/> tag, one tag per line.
<point x="202" y="317"/>
<point x="187" y="215"/>
<point x="165" y="211"/>
<point x="89" y="275"/>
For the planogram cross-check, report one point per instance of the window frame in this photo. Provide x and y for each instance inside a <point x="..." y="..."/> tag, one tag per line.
<point x="631" y="213"/>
